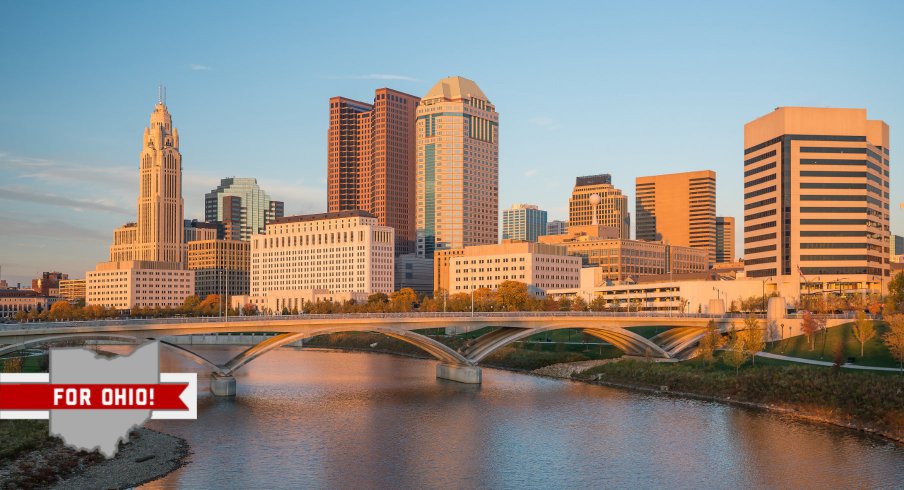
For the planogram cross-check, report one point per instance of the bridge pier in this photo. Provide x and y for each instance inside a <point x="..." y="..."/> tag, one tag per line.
<point x="222" y="385"/>
<point x="459" y="373"/>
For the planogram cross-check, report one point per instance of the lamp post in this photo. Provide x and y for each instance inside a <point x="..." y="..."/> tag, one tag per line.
<point x="472" y="302"/>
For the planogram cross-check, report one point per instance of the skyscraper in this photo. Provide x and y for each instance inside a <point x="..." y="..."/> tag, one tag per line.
<point x="725" y="239"/>
<point x="523" y="222"/>
<point x="679" y="209"/>
<point x="457" y="167"/>
<point x="146" y="267"/>
<point x="609" y="207"/>
<point x="371" y="161"/>
<point x="158" y="233"/>
<point x="816" y="195"/>
<point x="241" y="206"/>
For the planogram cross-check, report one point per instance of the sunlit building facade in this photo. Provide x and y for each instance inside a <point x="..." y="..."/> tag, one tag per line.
<point x="523" y="222"/>
<point x="457" y="200"/>
<point x="595" y="201"/>
<point x="816" y="197"/>
<point x="371" y="160"/>
<point x="678" y="209"/>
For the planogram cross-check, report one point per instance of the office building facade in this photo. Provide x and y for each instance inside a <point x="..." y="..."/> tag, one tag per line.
<point x="678" y="209"/>
<point x="371" y="161"/>
<point x="241" y="206"/>
<point x="523" y="222"/>
<point x="306" y="256"/>
<point x="816" y="196"/>
<point x="221" y="267"/>
<point x="556" y="227"/>
<point x="725" y="239"/>
<point x="538" y="265"/>
<point x="594" y="201"/>
<point x="457" y="167"/>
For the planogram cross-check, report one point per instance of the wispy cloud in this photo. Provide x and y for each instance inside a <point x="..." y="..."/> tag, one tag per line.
<point x="54" y="229"/>
<point x="63" y="172"/>
<point x="544" y="122"/>
<point x="532" y="172"/>
<point x="21" y="194"/>
<point x="197" y="67"/>
<point x="375" y="76"/>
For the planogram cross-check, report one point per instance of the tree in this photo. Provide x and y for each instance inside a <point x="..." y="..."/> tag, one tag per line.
<point x="210" y="306"/>
<point x="896" y="290"/>
<point x="894" y="338"/>
<point x="485" y="299"/>
<point x="809" y="325"/>
<point x="513" y="295"/>
<point x="735" y="355"/>
<point x="598" y="303"/>
<point x="190" y="305"/>
<point x="403" y="300"/>
<point x="61" y="310"/>
<point x="579" y="304"/>
<point x="249" y="309"/>
<point x="754" y="337"/>
<point x="863" y="329"/>
<point x="710" y="341"/>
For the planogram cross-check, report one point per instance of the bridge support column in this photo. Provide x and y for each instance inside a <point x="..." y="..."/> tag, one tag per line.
<point x="222" y="385"/>
<point x="455" y="372"/>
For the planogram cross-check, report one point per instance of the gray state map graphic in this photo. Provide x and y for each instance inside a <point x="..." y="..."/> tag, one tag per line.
<point x="100" y="429"/>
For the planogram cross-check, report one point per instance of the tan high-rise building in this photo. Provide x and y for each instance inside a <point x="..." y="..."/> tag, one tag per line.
<point x="158" y="233"/>
<point x="725" y="239"/>
<point x="678" y="209"/>
<point x="146" y="266"/>
<point x="221" y="267"/>
<point x="457" y="167"/>
<point x="816" y="197"/>
<point x="371" y="161"/>
<point x="594" y="201"/>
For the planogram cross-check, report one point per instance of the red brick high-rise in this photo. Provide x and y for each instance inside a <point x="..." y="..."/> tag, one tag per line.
<point x="371" y="161"/>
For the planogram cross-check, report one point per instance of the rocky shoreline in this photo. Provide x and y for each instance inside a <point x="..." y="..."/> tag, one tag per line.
<point x="147" y="456"/>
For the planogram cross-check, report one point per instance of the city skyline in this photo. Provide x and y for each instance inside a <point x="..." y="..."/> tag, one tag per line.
<point x="67" y="151"/>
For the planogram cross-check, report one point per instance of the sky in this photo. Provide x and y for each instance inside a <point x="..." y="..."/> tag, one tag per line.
<point x="626" y="88"/>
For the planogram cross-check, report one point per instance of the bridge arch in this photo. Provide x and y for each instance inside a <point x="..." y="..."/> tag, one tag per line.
<point x="56" y="339"/>
<point x="436" y="349"/>
<point x="624" y="339"/>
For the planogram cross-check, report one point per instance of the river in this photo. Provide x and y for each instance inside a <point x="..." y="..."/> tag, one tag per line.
<point x="324" y="419"/>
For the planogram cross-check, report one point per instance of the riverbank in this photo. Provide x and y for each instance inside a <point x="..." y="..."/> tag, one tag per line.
<point x="41" y="461"/>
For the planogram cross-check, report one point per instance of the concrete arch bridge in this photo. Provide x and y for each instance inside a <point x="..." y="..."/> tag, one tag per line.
<point x="680" y="338"/>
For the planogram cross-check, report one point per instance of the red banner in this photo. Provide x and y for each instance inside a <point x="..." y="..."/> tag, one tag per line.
<point x="41" y="396"/>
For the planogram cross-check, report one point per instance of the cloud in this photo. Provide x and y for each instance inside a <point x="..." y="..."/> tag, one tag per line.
<point x="544" y="122"/>
<point x="62" y="172"/>
<point x="197" y="67"/>
<point x="30" y="195"/>
<point x="376" y="76"/>
<point x="54" y="229"/>
<point x="531" y="172"/>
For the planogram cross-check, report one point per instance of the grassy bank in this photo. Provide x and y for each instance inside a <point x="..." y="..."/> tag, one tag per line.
<point x="875" y="353"/>
<point x="860" y="399"/>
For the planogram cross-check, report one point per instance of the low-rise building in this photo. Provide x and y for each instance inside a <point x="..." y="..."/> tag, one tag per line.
<point x="72" y="290"/>
<point x="49" y="283"/>
<point x="540" y="266"/>
<point x="441" y="260"/>
<point x="328" y="253"/>
<point x="221" y="267"/>
<point x="619" y="258"/>
<point x="13" y="301"/>
<point x="414" y="272"/>
<point x="138" y="283"/>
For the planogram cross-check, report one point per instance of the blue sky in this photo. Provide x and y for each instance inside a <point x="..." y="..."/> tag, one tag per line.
<point x="628" y="88"/>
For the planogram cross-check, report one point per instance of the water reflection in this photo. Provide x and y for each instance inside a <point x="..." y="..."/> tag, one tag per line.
<point x="350" y="420"/>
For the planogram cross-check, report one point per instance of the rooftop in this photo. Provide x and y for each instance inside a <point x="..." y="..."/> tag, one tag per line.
<point x="355" y="213"/>
<point x="455" y="88"/>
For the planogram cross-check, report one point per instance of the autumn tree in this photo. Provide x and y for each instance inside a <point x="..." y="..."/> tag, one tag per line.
<point x="710" y="341"/>
<point x="62" y="310"/>
<point x="809" y="325"/>
<point x="579" y="304"/>
<point x="863" y="329"/>
<point x="210" y="306"/>
<point x="894" y="338"/>
<point x="896" y="291"/>
<point x="249" y="309"/>
<point x="485" y="299"/>
<point x="513" y="295"/>
<point x="753" y="337"/>
<point x="403" y="300"/>
<point x="458" y="302"/>
<point x="735" y="355"/>
<point x="598" y="303"/>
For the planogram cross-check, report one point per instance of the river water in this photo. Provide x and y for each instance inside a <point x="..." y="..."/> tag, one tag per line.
<point x="323" y="419"/>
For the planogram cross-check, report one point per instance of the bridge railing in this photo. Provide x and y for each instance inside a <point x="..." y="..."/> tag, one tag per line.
<point x="352" y="316"/>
